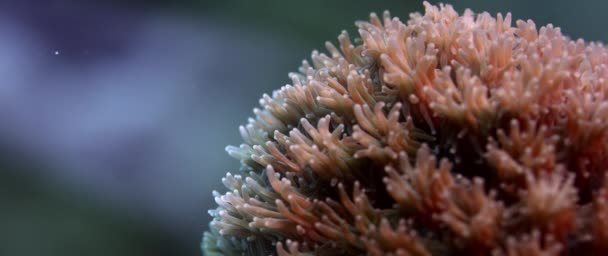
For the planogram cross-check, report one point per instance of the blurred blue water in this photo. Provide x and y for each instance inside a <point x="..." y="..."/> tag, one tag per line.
<point x="132" y="110"/>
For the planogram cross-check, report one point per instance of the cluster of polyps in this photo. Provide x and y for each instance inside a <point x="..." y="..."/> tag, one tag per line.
<point x="448" y="134"/>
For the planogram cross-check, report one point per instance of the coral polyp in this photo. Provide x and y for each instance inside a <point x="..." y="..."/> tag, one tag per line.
<point x="450" y="134"/>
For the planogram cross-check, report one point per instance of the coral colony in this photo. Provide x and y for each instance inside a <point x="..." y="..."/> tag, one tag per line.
<point x="445" y="135"/>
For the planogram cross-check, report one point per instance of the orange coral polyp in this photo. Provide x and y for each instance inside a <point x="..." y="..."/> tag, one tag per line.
<point x="445" y="135"/>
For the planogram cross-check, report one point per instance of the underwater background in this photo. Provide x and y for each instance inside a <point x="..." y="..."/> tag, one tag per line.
<point x="114" y="115"/>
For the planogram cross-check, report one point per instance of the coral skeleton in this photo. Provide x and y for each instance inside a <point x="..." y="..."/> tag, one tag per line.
<point x="449" y="134"/>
